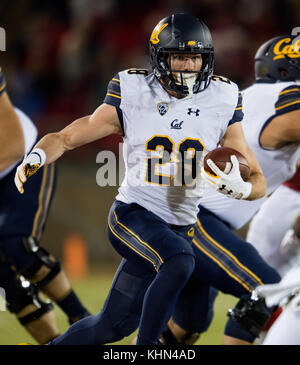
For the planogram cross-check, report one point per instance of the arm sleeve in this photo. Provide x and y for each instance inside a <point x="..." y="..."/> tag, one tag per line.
<point x="238" y="111"/>
<point x="288" y="100"/>
<point x="113" y="97"/>
<point x="2" y="82"/>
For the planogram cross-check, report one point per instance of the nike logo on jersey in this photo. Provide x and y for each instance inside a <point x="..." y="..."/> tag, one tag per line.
<point x="176" y="125"/>
<point x="195" y="111"/>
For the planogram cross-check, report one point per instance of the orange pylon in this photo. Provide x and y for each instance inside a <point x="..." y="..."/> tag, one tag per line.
<point x="75" y="255"/>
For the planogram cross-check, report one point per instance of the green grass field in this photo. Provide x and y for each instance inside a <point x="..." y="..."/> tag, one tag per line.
<point x="92" y="291"/>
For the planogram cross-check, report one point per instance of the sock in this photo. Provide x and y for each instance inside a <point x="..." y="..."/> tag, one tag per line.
<point x="73" y="308"/>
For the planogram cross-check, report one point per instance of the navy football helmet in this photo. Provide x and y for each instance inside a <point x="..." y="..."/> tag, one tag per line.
<point x="181" y="33"/>
<point x="278" y="59"/>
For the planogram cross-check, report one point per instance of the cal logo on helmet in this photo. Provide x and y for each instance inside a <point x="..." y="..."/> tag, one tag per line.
<point x="284" y="47"/>
<point x="154" y="36"/>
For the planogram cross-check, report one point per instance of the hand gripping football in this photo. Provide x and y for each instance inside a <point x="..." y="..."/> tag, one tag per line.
<point x="221" y="157"/>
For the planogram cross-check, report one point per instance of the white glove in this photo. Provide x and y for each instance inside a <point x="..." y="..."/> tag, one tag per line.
<point x="231" y="184"/>
<point x="28" y="167"/>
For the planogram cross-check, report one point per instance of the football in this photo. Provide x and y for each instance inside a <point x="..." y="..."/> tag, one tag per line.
<point x="221" y="157"/>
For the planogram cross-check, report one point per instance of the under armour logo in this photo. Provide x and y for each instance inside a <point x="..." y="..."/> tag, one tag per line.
<point x="176" y="125"/>
<point x="190" y="111"/>
<point x="223" y="187"/>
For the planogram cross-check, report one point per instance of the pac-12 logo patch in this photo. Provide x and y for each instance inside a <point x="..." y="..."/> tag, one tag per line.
<point x="162" y="108"/>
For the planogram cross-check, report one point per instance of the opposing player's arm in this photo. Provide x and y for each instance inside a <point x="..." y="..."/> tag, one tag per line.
<point x="103" y="122"/>
<point x="12" y="142"/>
<point x="234" y="138"/>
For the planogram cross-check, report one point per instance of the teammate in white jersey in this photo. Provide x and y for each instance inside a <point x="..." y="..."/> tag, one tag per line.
<point x="271" y="127"/>
<point x="26" y="269"/>
<point x="173" y="115"/>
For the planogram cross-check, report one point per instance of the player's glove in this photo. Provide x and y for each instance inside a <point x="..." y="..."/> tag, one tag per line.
<point x="28" y="167"/>
<point x="231" y="184"/>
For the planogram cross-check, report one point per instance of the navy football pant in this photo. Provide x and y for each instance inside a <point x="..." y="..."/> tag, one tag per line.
<point x="146" y="240"/>
<point x="120" y="314"/>
<point x="24" y="215"/>
<point x="159" y="261"/>
<point x="226" y="262"/>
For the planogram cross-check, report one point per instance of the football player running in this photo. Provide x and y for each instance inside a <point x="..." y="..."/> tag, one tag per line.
<point x="173" y="115"/>
<point x="26" y="268"/>
<point x="271" y="127"/>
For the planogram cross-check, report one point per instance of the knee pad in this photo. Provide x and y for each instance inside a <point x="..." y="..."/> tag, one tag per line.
<point x="20" y="295"/>
<point x="251" y="313"/>
<point x="26" y="295"/>
<point x="42" y="258"/>
<point x="123" y="306"/>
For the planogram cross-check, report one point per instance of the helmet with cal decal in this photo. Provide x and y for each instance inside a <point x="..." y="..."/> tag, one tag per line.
<point x="278" y="59"/>
<point x="181" y="33"/>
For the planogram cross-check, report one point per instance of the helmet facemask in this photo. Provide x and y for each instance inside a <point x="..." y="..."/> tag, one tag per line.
<point x="187" y="82"/>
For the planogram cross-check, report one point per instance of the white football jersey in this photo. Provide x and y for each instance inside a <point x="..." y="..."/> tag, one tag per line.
<point x="260" y="104"/>
<point x="158" y="129"/>
<point x="30" y="135"/>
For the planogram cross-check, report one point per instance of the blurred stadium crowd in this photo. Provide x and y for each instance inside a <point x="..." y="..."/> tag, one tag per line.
<point x="61" y="54"/>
